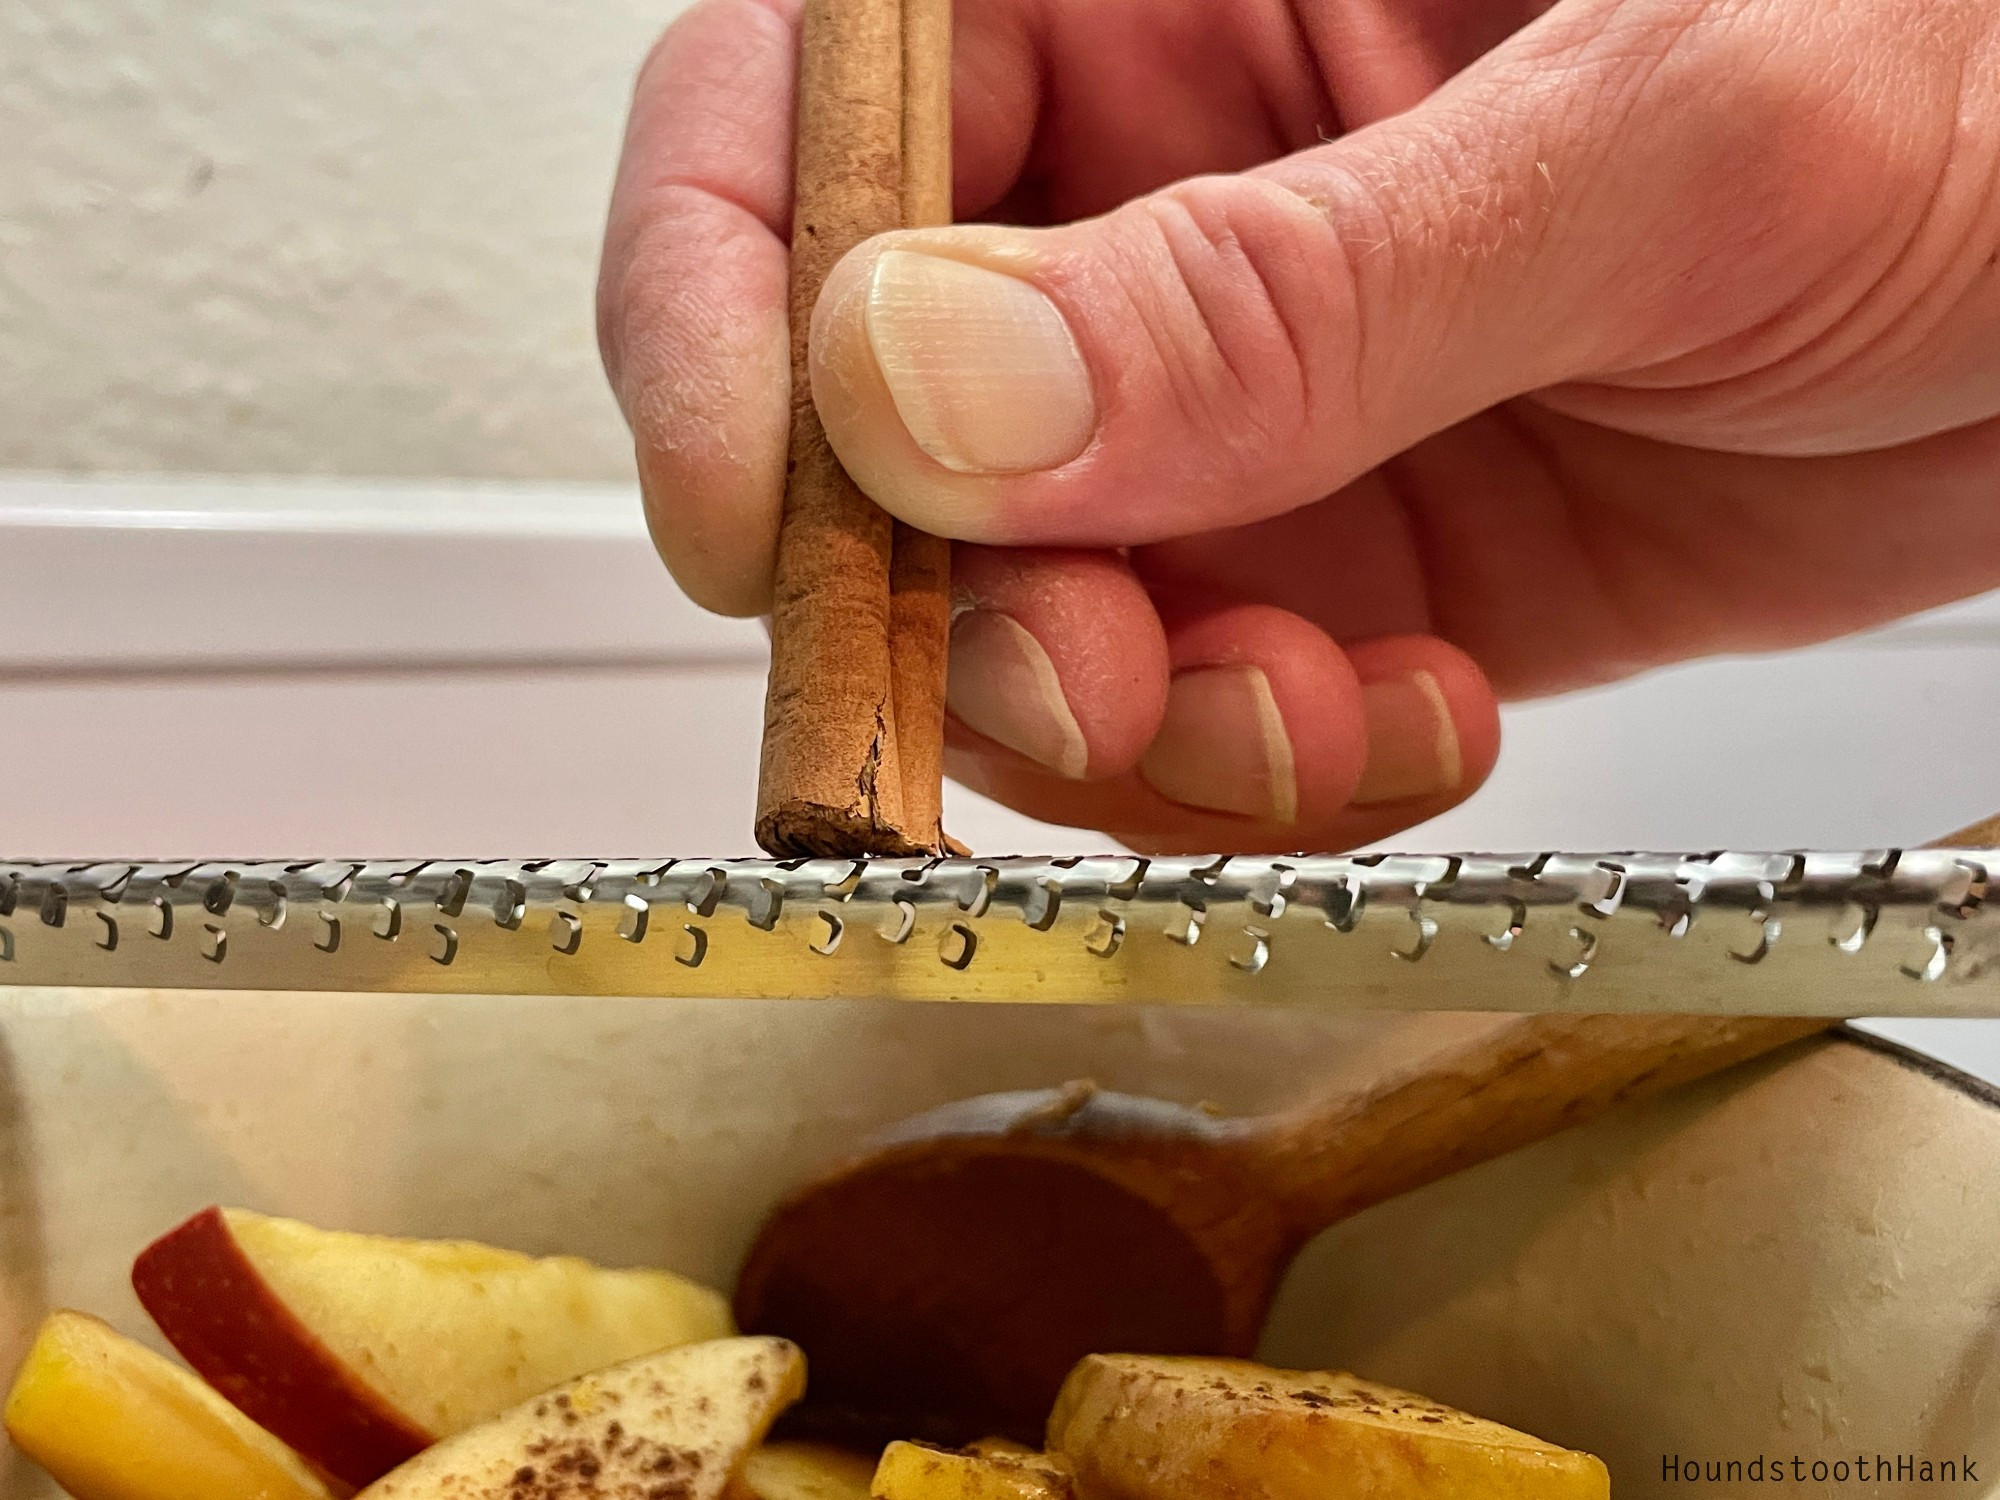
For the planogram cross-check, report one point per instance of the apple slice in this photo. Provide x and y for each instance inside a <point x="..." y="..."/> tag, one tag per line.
<point x="1002" y="1447"/>
<point x="360" y="1351"/>
<point x="111" y="1420"/>
<point x="992" y="1469"/>
<point x="805" y="1471"/>
<point x="1138" y="1427"/>
<point x="677" y="1426"/>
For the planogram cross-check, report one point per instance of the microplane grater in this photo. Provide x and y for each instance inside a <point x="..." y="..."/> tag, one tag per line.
<point x="1878" y="932"/>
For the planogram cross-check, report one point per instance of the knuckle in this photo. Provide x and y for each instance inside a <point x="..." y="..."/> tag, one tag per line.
<point x="1228" y="278"/>
<point x="1419" y="226"/>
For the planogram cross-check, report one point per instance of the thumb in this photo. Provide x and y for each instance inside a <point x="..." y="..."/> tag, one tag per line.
<point x="1230" y="348"/>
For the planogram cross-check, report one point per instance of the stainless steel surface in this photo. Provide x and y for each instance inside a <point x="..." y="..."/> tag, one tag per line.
<point x="1879" y="932"/>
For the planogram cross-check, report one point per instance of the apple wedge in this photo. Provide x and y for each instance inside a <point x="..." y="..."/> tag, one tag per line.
<point x="1149" y="1428"/>
<point x="676" y="1426"/>
<point x="360" y="1351"/>
<point x="805" y="1471"/>
<point x="111" y="1420"/>
<point x="993" y="1469"/>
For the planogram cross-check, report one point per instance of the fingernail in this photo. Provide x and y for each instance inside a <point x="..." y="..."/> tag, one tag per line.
<point x="981" y="366"/>
<point x="1223" y="746"/>
<point x="1412" y="743"/>
<point x="1003" y="685"/>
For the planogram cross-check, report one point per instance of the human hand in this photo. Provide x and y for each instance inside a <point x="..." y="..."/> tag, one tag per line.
<point x="1518" y="354"/>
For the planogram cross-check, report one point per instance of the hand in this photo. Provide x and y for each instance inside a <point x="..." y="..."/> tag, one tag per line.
<point x="1516" y="355"/>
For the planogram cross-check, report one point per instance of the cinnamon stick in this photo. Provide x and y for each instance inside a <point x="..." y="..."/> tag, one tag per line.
<point x="853" y="719"/>
<point x="920" y="564"/>
<point x="926" y="113"/>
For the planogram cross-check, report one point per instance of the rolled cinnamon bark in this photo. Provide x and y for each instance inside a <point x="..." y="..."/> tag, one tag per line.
<point x="854" y="715"/>
<point x="926" y="113"/>
<point x="920" y="564"/>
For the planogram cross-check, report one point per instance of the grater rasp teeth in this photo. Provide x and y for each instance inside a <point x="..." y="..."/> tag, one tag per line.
<point x="1872" y="932"/>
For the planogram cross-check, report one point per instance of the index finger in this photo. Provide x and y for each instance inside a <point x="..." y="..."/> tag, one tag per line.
<point x="692" y="292"/>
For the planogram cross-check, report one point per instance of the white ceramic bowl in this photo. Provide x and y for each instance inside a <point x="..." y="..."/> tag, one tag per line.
<point x="1796" y="1259"/>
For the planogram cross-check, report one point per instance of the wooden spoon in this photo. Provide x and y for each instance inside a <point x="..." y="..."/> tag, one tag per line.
<point x="943" y="1284"/>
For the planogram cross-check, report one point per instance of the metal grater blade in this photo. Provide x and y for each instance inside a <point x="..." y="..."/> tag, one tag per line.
<point x="1881" y="932"/>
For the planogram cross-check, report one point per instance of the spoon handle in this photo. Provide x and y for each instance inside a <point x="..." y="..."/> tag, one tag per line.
<point x="1512" y="1084"/>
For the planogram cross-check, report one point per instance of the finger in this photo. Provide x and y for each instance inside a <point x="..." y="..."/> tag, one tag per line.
<point x="1433" y="733"/>
<point x="999" y="85"/>
<point x="1401" y="751"/>
<point x="1261" y="736"/>
<point x="1058" y="660"/>
<point x="691" y="296"/>
<point x="1230" y="348"/>
<point x="1274" y="739"/>
<point x="692" y="293"/>
<point x="1226" y="87"/>
<point x="1383" y="58"/>
<point x="1264" y="718"/>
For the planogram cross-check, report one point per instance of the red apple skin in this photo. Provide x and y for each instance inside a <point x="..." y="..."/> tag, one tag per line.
<point x="209" y="1301"/>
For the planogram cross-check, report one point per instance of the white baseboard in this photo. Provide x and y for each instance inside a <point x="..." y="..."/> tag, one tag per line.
<point x="177" y="574"/>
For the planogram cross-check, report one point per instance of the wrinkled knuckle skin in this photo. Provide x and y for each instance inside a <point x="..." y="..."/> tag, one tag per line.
<point x="1806" y="195"/>
<point x="1226" y="277"/>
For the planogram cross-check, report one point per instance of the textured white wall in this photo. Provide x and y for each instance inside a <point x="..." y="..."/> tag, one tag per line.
<point x="331" y="236"/>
